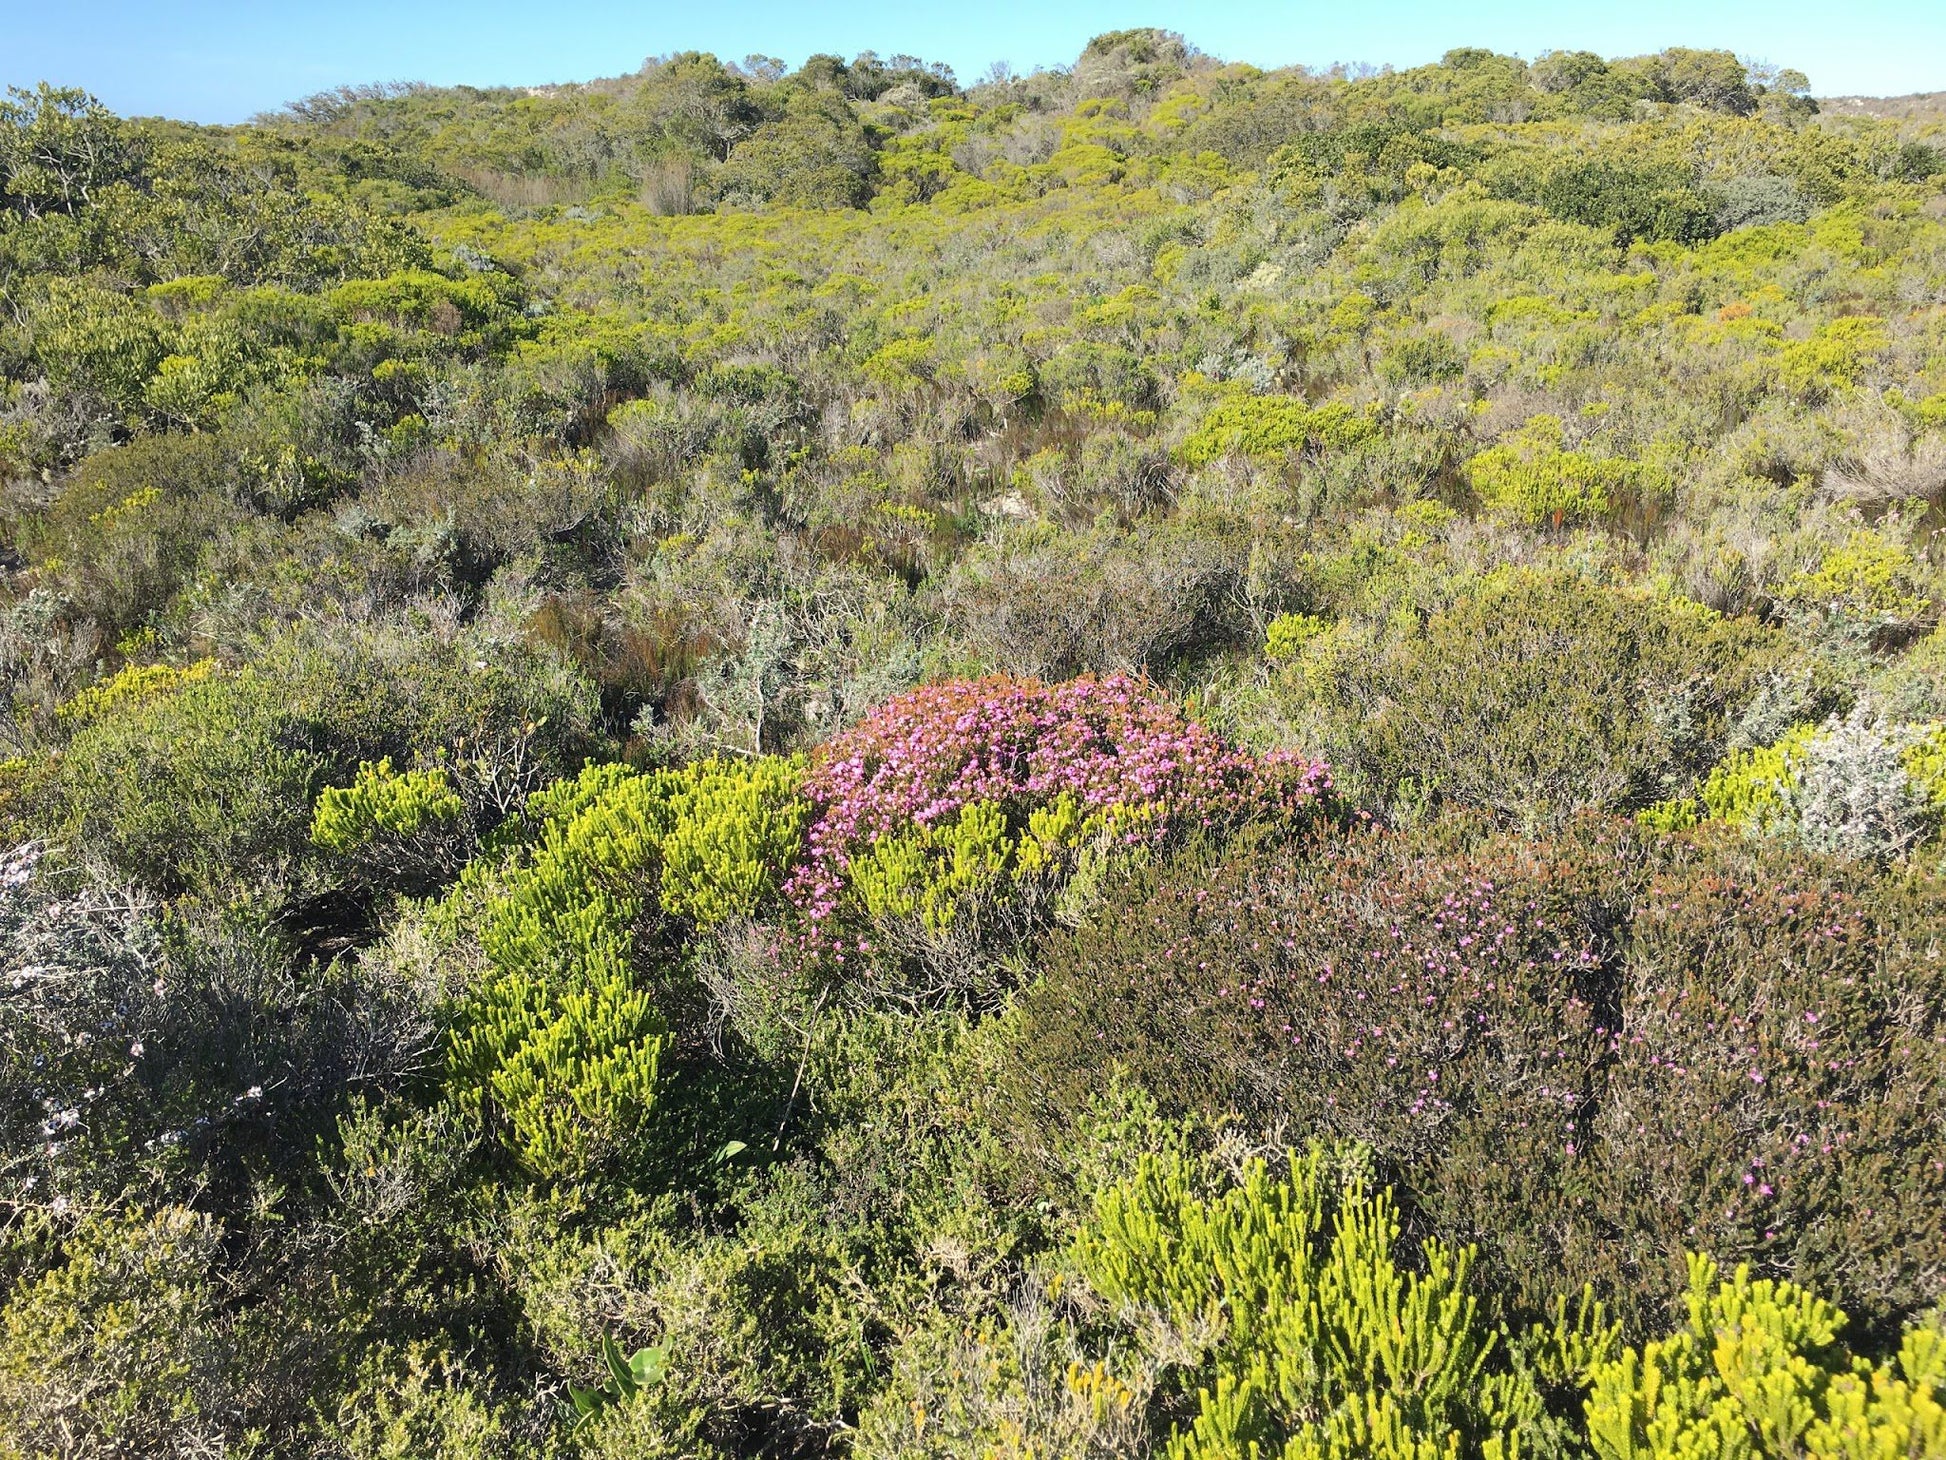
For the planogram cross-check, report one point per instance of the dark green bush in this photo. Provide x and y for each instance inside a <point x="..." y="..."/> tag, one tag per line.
<point x="210" y="785"/>
<point x="1587" y="1056"/>
<point x="1536" y="696"/>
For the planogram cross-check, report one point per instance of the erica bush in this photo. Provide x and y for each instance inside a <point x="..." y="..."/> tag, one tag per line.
<point x="1586" y="1056"/>
<point x="963" y="787"/>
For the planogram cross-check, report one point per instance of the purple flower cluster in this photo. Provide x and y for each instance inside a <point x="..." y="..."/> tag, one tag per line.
<point x="920" y="758"/>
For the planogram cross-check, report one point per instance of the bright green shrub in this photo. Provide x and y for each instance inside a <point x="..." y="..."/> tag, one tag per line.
<point x="924" y="873"/>
<point x="1867" y="586"/>
<point x="1272" y="427"/>
<point x="1534" y="479"/>
<point x="560" y="1048"/>
<point x="1925" y="762"/>
<point x="738" y="827"/>
<point x="1288" y="633"/>
<point x="1760" y="1371"/>
<point x="1319" y="1341"/>
<point x="1834" y="358"/>
<point x="383" y="802"/>
<point x="1752" y="789"/>
<point x="132" y="682"/>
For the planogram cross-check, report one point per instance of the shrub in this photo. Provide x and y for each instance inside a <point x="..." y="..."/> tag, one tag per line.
<point x="130" y="683"/>
<point x="560" y="1048"/>
<point x="1534" y="479"/>
<point x="204" y="787"/>
<point x="1536" y="696"/>
<point x="1774" y="1094"/>
<point x="1271" y="428"/>
<point x="129" y="527"/>
<point x="737" y="827"/>
<point x="382" y="801"/>
<point x="1422" y="359"/>
<point x="1855" y="794"/>
<point x="1835" y="357"/>
<point x="208" y="783"/>
<point x="1759" y="1369"/>
<point x="957" y="785"/>
<point x="417" y="1405"/>
<point x="81" y="965"/>
<point x="1154" y="602"/>
<point x="1854" y="787"/>
<point x="1867" y="589"/>
<point x="120" y="1350"/>
<point x="1307" y="1335"/>
<point x="1218" y="1303"/>
<point x="1448" y="1011"/>
<point x="1583" y="1064"/>
<point x="1288" y="633"/>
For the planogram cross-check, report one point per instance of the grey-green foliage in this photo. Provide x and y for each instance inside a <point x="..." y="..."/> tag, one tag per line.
<point x="1854" y="795"/>
<point x="78" y="968"/>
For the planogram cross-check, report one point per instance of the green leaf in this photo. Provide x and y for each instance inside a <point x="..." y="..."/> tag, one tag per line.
<point x="648" y="1365"/>
<point x="611" y="1352"/>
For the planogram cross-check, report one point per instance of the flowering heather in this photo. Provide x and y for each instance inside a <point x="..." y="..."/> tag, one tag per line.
<point x="1589" y="1055"/>
<point x="1126" y="758"/>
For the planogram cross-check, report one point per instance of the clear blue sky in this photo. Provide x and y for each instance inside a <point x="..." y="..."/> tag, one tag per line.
<point x="223" y="60"/>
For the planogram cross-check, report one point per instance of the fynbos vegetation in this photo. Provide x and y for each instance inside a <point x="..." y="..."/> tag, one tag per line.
<point x="1150" y="760"/>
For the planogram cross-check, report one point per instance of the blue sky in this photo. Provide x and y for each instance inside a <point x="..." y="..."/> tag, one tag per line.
<point x="223" y="60"/>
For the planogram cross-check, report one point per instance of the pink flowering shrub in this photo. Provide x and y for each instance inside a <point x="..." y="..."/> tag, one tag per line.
<point x="956" y="787"/>
<point x="1588" y="1055"/>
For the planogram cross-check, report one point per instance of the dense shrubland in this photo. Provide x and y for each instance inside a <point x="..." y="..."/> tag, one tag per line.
<point x="1156" y="759"/>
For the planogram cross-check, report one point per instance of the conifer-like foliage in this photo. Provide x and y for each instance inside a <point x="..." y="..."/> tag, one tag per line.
<point x="1320" y="1343"/>
<point x="559" y="1048"/>
<point x="1760" y="1369"/>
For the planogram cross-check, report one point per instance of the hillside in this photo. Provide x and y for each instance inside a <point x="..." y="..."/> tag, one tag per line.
<point x="1153" y="759"/>
<point x="1925" y="106"/>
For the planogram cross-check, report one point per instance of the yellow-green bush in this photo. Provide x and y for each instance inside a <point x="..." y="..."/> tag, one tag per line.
<point x="132" y="682"/>
<point x="1318" y="1341"/>
<point x="1869" y="583"/>
<point x="1532" y="477"/>
<point x="1834" y="358"/>
<point x="1288" y="633"/>
<point x="737" y="828"/>
<point x="1271" y="427"/>
<point x="119" y="1350"/>
<point x="560" y="1048"/>
<point x="1760" y="789"/>
<point x="926" y="872"/>
<point x="1751" y="789"/>
<point x="383" y="802"/>
<point x="1761" y="1371"/>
